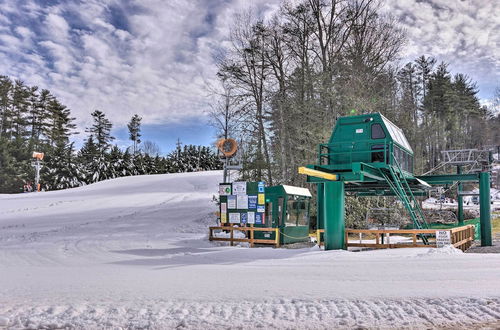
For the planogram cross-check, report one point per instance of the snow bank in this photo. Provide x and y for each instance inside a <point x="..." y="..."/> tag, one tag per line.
<point x="133" y="253"/>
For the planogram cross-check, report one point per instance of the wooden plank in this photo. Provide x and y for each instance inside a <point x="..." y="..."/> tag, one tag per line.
<point x="462" y="228"/>
<point x="252" y="235"/>
<point x="389" y="246"/>
<point x="244" y="240"/>
<point x="462" y="242"/>
<point x="392" y="231"/>
<point x="243" y="228"/>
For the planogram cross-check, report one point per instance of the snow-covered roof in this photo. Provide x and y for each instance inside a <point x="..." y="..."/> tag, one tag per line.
<point x="396" y="133"/>
<point x="292" y="190"/>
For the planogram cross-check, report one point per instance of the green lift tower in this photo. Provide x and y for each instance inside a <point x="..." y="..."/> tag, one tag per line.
<point x="368" y="155"/>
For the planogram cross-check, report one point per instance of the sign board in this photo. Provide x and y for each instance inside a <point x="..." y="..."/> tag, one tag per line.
<point x="258" y="218"/>
<point x="443" y="237"/>
<point x="252" y="202"/>
<point x="359" y="130"/>
<point x="244" y="217"/>
<point x="223" y="217"/>
<point x="251" y="217"/>
<point x="261" y="199"/>
<point x="231" y="202"/>
<point x="260" y="187"/>
<point x="223" y="207"/>
<point x="239" y="188"/>
<point x="242" y="202"/>
<point x="234" y="218"/>
<point x="261" y="208"/>
<point x="224" y="189"/>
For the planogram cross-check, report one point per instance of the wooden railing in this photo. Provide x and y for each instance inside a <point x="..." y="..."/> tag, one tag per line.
<point x="250" y="235"/>
<point x="461" y="237"/>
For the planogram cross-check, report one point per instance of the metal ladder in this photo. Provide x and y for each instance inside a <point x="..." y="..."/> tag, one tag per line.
<point x="399" y="185"/>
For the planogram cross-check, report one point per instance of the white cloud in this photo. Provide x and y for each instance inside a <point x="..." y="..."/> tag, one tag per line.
<point x="466" y="34"/>
<point x="154" y="57"/>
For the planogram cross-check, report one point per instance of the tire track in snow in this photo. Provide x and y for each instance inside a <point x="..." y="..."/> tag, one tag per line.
<point x="277" y="313"/>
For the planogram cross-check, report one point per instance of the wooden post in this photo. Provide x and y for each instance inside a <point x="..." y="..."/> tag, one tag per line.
<point x="414" y="239"/>
<point x="209" y="233"/>
<point x="277" y="231"/>
<point x="377" y="238"/>
<point x="231" y="236"/>
<point x="251" y="235"/>
<point x="318" y="237"/>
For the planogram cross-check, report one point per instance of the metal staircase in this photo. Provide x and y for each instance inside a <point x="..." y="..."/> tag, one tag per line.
<point x="399" y="185"/>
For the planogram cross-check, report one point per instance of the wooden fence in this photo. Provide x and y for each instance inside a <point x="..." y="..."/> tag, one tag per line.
<point x="250" y="236"/>
<point x="461" y="237"/>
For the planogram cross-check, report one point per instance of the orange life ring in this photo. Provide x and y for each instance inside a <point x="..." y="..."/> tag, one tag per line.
<point x="228" y="147"/>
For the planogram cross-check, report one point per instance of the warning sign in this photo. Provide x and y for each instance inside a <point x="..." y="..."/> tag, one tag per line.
<point x="443" y="237"/>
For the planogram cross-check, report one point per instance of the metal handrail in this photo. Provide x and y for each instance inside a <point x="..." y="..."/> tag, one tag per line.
<point x="386" y="147"/>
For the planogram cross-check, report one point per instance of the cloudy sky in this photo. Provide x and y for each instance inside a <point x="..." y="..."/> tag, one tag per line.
<point x="155" y="57"/>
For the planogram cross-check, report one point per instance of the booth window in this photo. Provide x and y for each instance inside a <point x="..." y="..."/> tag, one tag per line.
<point x="378" y="157"/>
<point x="269" y="213"/>
<point x="291" y="212"/>
<point x="377" y="132"/>
<point x="280" y="210"/>
<point x="303" y="212"/>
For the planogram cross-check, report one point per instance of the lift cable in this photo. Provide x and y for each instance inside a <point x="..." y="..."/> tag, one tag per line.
<point x="441" y="165"/>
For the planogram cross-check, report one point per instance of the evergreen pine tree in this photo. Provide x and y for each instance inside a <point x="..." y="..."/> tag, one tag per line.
<point x="134" y="128"/>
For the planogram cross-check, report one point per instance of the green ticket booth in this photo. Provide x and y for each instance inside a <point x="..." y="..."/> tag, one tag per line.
<point x="287" y="208"/>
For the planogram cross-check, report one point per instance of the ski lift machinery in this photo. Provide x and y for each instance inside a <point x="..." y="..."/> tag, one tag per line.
<point x="368" y="155"/>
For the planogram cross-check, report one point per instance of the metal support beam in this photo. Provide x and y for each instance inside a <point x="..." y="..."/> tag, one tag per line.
<point x="448" y="178"/>
<point x="460" y="211"/>
<point x="320" y="219"/>
<point x="484" y="208"/>
<point x="334" y="215"/>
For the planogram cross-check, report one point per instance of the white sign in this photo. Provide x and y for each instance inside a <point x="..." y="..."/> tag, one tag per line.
<point x="251" y="217"/>
<point x="242" y="202"/>
<point x="223" y="207"/>
<point x="234" y="217"/>
<point x="231" y="202"/>
<point x="261" y="209"/>
<point x="443" y="237"/>
<point x="239" y="188"/>
<point x="224" y="189"/>
<point x="359" y="130"/>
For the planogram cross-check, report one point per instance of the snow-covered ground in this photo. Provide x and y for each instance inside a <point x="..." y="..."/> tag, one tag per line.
<point x="133" y="253"/>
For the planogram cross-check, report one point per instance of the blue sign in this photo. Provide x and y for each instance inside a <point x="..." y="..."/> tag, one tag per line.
<point x="244" y="218"/>
<point x="252" y="202"/>
<point x="259" y="217"/>
<point x="260" y="187"/>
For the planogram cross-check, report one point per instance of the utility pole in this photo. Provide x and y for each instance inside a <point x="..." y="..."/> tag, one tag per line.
<point x="37" y="164"/>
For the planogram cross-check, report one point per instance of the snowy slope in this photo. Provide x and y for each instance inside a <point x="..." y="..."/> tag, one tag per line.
<point x="132" y="253"/>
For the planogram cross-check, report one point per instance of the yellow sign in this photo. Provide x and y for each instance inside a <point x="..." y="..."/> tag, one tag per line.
<point x="223" y="217"/>
<point x="261" y="199"/>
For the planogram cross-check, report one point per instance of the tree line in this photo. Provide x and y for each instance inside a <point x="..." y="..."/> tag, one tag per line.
<point x="285" y="80"/>
<point x="35" y="120"/>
